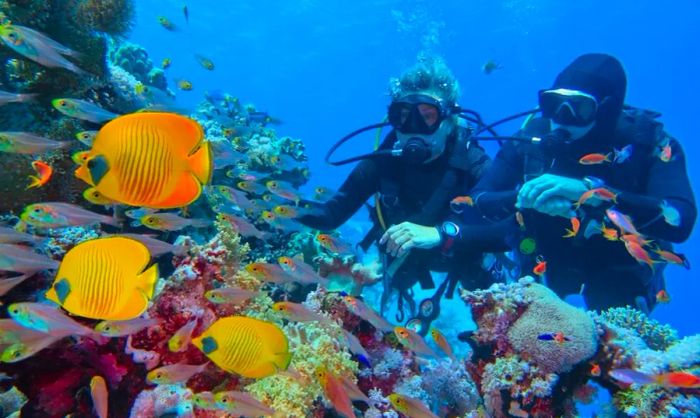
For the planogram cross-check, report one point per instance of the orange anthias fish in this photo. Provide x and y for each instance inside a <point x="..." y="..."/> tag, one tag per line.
<point x="575" y="226"/>
<point x="241" y="404"/>
<point x="334" y="244"/>
<point x="595" y="370"/>
<point x="413" y="342"/>
<point x="174" y="373"/>
<point x="98" y="390"/>
<point x="622" y="221"/>
<point x="601" y="193"/>
<point x="665" y="154"/>
<point x="541" y="266"/>
<point x="360" y="309"/>
<point x="639" y="253"/>
<point x="182" y="337"/>
<point x="59" y="215"/>
<point x="410" y="407"/>
<point x="673" y="258"/>
<point x="151" y="159"/>
<point x="297" y="312"/>
<point x="335" y="391"/>
<point x="457" y="204"/>
<point x="662" y="296"/>
<point x="441" y="341"/>
<point x="303" y="272"/>
<point x="635" y="239"/>
<point x="43" y="174"/>
<point x="683" y="380"/>
<point x="284" y="190"/>
<point x="269" y="272"/>
<point x="596" y="158"/>
<point x="232" y="295"/>
<point x="609" y="234"/>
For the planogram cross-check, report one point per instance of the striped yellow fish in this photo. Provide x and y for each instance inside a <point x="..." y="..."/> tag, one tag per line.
<point x="104" y="278"/>
<point x="246" y="346"/>
<point x="156" y="160"/>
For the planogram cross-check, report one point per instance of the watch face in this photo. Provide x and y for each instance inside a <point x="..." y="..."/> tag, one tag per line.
<point x="450" y="229"/>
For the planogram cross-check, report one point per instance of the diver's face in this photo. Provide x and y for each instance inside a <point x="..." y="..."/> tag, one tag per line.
<point x="575" y="132"/>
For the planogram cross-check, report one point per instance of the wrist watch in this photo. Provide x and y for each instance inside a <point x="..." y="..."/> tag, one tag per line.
<point x="593" y="182"/>
<point x="449" y="231"/>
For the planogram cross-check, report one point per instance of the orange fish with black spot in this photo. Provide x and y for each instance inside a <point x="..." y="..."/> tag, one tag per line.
<point x="154" y="160"/>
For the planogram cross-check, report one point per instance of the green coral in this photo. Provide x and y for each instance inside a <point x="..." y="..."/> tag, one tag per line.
<point x="657" y="336"/>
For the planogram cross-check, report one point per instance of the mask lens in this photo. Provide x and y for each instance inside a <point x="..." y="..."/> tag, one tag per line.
<point x="430" y="114"/>
<point x="568" y="109"/>
<point x="415" y="114"/>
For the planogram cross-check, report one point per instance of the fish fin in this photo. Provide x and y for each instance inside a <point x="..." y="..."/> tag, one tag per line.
<point x="569" y="234"/>
<point x="201" y="163"/>
<point x="188" y="190"/>
<point x="97" y="166"/>
<point x="35" y="182"/>
<point x="282" y="360"/>
<point x="147" y="281"/>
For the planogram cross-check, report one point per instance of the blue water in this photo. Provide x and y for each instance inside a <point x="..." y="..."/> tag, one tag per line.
<point x="323" y="67"/>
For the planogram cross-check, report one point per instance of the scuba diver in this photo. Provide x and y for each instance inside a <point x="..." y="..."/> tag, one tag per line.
<point x="615" y="165"/>
<point x="423" y="163"/>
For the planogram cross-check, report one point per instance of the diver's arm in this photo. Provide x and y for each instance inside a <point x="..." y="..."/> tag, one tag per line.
<point x="668" y="181"/>
<point x="357" y="188"/>
<point x="495" y="194"/>
<point x="480" y="236"/>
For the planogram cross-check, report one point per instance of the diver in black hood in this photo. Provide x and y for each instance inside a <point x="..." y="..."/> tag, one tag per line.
<point x="598" y="199"/>
<point x="423" y="163"/>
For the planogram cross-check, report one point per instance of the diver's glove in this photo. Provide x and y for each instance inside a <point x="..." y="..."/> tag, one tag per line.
<point x="550" y="194"/>
<point x="405" y="236"/>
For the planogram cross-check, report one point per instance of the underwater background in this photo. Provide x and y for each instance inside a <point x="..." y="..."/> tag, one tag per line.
<point x="319" y="70"/>
<point x="324" y="67"/>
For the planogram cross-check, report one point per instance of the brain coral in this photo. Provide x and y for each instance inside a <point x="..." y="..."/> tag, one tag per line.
<point x="548" y="314"/>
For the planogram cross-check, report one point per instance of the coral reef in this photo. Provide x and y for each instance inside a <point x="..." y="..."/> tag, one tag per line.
<point x="519" y="374"/>
<point x="114" y="17"/>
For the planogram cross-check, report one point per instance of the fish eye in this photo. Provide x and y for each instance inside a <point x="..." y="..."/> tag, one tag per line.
<point x="36" y="210"/>
<point x="62" y="103"/>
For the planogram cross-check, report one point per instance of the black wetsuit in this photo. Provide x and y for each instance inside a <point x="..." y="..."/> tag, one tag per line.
<point x="413" y="188"/>
<point x="612" y="277"/>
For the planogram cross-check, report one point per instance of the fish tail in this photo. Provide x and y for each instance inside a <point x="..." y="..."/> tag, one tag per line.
<point x="147" y="281"/>
<point x="569" y="233"/>
<point x="282" y="360"/>
<point x="608" y="156"/>
<point x="201" y="163"/>
<point x="35" y="182"/>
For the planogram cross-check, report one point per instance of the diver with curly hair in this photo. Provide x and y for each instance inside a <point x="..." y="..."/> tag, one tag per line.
<point x="427" y="160"/>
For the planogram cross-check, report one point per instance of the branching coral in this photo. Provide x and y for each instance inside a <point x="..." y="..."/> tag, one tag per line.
<point x="657" y="336"/>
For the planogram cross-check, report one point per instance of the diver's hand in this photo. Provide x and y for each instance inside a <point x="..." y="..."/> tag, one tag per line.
<point x="555" y="206"/>
<point x="536" y="192"/>
<point x="405" y="236"/>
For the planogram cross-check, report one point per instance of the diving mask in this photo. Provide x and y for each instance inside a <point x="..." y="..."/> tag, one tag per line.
<point x="568" y="107"/>
<point x="417" y="114"/>
<point x="422" y="126"/>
